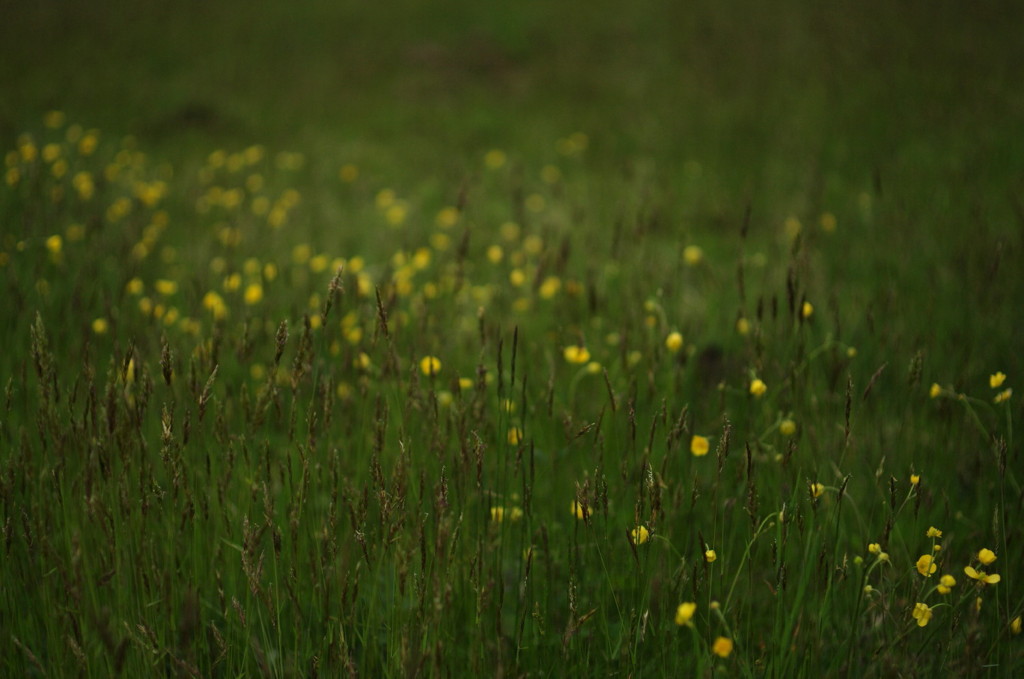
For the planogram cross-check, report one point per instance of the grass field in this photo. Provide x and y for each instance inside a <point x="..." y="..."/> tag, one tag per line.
<point x="547" y="339"/>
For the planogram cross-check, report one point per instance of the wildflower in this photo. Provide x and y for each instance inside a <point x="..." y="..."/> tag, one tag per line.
<point x="806" y="310"/>
<point x="986" y="556"/>
<point x="722" y="647"/>
<point x="915" y="479"/>
<point x="100" y="326"/>
<point x="699" y="445"/>
<point x="926" y="565"/>
<point x="787" y="427"/>
<point x="710" y="556"/>
<point x="933" y="532"/>
<point x="593" y="367"/>
<point x="253" y="293"/>
<point x="54" y="244"/>
<point x="577" y="354"/>
<point x="817" y="489"/>
<point x="495" y="159"/>
<point x="1014" y="626"/>
<point x="922" y="613"/>
<point x="946" y="583"/>
<point x="868" y="589"/>
<point x="674" y="342"/>
<point x="935" y="391"/>
<point x="166" y="287"/>
<point x="758" y="387"/>
<point x="883" y="556"/>
<point x="579" y="511"/>
<point x="685" y="611"/>
<point x="742" y="326"/>
<point x="430" y="365"/>
<point x="875" y="548"/>
<point x="515" y="435"/>
<point x="996" y="381"/>
<point x="982" y="576"/>
<point x="639" y="535"/>
<point x="348" y="173"/>
<point x="497" y="514"/>
<point x="693" y="255"/>
<point x="1003" y="396"/>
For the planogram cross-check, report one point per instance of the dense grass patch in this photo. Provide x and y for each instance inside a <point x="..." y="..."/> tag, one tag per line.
<point x="692" y="357"/>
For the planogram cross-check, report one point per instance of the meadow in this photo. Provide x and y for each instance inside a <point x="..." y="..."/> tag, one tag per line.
<point x="540" y="340"/>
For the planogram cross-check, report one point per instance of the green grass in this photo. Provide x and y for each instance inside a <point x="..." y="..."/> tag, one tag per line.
<point x="220" y="454"/>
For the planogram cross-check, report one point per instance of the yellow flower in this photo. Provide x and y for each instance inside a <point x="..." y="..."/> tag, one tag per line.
<point x="639" y="535"/>
<point x="817" y="489"/>
<point x="430" y="365"/>
<point x="710" y="556"/>
<point x="758" y="387"/>
<point x="495" y="159"/>
<point x="982" y="576"/>
<point x="935" y="391"/>
<point x="946" y="583"/>
<point x="742" y="326"/>
<point x="875" y="548"/>
<point x="933" y="532"/>
<point x="100" y="326"/>
<point x="996" y="381"/>
<point x="926" y="565"/>
<point x="1014" y="626"/>
<point x="166" y="287"/>
<point x="699" y="445"/>
<point x="579" y="511"/>
<point x="986" y="556"/>
<point x="883" y="556"/>
<point x="693" y="255"/>
<point x="922" y="614"/>
<point x="1002" y="396"/>
<point x="497" y="514"/>
<point x="722" y="647"/>
<point x="577" y="354"/>
<point x="685" y="611"/>
<point x="54" y="244"/>
<point x="253" y="293"/>
<point x="515" y="435"/>
<point x="806" y="310"/>
<point x="674" y="342"/>
<point x="915" y="479"/>
<point x="787" y="427"/>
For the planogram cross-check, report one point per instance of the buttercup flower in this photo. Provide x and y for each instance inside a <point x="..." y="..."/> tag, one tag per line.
<point x="875" y="548"/>
<point x="1002" y="396"/>
<point x="787" y="427"/>
<point x="710" y="556"/>
<point x="1015" y="625"/>
<point x="806" y="310"/>
<point x="722" y="647"/>
<point x="934" y="532"/>
<point x="915" y="479"/>
<point x="576" y="354"/>
<point x="639" y="535"/>
<point x="946" y="583"/>
<point x="674" y="342"/>
<point x="982" y="576"/>
<point x="684" y="613"/>
<point x="758" y="388"/>
<point x="430" y="365"/>
<point x="926" y="565"/>
<point x="579" y="511"/>
<point x="986" y="556"/>
<point x="922" y="614"/>
<point x="817" y="489"/>
<point x="699" y="446"/>
<point x="996" y="381"/>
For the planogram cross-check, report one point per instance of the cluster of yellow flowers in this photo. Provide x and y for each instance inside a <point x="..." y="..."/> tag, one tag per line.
<point x="722" y="646"/>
